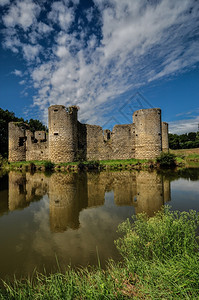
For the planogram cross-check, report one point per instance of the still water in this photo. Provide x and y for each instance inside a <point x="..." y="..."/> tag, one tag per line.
<point x="73" y="218"/>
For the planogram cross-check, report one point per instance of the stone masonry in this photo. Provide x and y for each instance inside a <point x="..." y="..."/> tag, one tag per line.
<point x="69" y="140"/>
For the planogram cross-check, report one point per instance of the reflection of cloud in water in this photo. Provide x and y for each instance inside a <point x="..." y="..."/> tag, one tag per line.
<point x="185" y="185"/>
<point x="79" y="246"/>
<point x="185" y="194"/>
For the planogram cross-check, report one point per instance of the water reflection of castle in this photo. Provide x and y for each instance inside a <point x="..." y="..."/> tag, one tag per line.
<point x="70" y="193"/>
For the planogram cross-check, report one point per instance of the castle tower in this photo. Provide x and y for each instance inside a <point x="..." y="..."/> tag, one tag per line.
<point x="62" y="133"/>
<point x="148" y="137"/>
<point x="17" y="141"/>
<point x="165" y="137"/>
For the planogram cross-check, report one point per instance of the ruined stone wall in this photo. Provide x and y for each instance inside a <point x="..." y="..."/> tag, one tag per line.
<point x="37" y="146"/>
<point x="62" y="133"/>
<point x="148" y="136"/>
<point x="69" y="140"/>
<point x="165" y="137"/>
<point x="123" y="142"/>
<point x="96" y="144"/>
<point x="16" y="142"/>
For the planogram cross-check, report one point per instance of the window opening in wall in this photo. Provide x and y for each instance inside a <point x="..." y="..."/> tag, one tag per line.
<point x="55" y="110"/>
<point x="108" y="135"/>
<point x="21" y="141"/>
<point x="21" y="189"/>
<point x="56" y="133"/>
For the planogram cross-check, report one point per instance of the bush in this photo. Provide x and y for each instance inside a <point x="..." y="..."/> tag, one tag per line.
<point x="49" y="165"/>
<point x="167" y="235"/>
<point x="166" y="160"/>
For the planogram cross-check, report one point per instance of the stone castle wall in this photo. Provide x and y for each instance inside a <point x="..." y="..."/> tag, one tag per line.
<point x="69" y="140"/>
<point x="16" y="142"/>
<point x="36" y="146"/>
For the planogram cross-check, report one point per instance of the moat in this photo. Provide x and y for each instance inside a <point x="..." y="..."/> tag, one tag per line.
<point x="73" y="217"/>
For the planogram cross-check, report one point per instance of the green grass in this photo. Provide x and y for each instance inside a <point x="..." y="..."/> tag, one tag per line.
<point x="112" y="164"/>
<point x="182" y="159"/>
<point x="160" y="261"/>
<point x="115" y="162"/>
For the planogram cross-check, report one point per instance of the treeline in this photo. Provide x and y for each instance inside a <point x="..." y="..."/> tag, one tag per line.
<point x="6" y="117"/>
<point x="184" y="141"/>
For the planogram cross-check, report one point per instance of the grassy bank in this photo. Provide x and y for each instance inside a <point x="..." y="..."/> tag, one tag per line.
<point x="184" y="158"/>
<point x="187" y="157"/>
<point x="160" y="261"/>
<point x="75" y="166"/>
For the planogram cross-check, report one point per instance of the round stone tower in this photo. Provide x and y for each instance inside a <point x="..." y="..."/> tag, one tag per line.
<point x="148" y="135"/>
<point x="62" y="133"/>
<point x="165" y="138"/>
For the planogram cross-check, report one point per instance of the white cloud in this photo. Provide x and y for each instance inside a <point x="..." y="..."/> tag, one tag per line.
<point x="140" y="41"/>
<point x="22" y="82"/>
<point x="31" y="52"/>
<point x="4" y="2"/>
<point x="17" y="73"/>
<point x="184" y="125"/>
<point x="61" y="14"/>
<point x="23" y="14"/>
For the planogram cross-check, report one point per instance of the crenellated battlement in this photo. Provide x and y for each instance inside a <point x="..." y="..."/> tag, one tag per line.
<point x="69" y="140"/>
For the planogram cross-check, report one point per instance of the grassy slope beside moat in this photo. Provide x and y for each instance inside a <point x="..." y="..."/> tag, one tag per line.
<point x="160" y="261"/>
<point x="184" y="158"/>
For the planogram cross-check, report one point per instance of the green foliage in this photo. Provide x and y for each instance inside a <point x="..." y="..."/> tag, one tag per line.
<point x="167" y="235"/>
<point x="36" y="125"/>
<point x="49" y="166"/>
<point x="162" y="252"/>
<point x="184" y="141"/>
<point x="166" y="160"/>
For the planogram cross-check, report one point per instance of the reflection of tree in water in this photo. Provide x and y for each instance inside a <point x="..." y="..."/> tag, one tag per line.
<point x="186" y="173"/>
<point x="3" y="193"/>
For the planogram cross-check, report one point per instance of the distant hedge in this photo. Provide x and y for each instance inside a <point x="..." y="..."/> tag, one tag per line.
<point x="184" y="141"/>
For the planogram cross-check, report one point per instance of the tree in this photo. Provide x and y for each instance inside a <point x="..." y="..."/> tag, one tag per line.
<point x="184" y="141"/>
<point x="36" y="125"/>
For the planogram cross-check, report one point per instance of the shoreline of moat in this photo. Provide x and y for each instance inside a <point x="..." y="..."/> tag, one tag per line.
<point x="181" y="161"/>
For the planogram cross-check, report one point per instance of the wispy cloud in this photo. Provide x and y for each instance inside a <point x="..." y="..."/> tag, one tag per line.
<point x="184" y="125"/>
<point x="91" y="58"/>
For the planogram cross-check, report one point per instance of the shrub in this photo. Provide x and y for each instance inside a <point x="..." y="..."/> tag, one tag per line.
<point x="49" y="165"/>
<point x="166" y="160"/>
<point x="167" y="235"/>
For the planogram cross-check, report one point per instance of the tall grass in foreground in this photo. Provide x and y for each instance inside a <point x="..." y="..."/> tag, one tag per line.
<point x="160" y="261"/>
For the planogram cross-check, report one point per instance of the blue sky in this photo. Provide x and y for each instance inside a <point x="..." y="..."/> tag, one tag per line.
<point x="109" y="57"/>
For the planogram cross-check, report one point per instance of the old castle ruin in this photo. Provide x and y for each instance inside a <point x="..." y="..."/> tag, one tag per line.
<point x="69" y="140"/>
